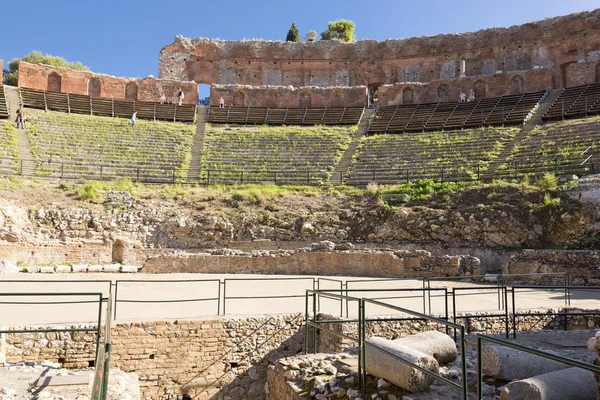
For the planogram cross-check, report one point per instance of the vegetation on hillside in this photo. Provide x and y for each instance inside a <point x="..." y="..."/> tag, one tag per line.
<point x="11" y="75"/>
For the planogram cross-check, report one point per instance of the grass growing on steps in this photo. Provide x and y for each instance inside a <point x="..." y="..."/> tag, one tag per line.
<point x="8" y="144"/>
<point x="154" y="147"/>
<point x="267" y="149"/>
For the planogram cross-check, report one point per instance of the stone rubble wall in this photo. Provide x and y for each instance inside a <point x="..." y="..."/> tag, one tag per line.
<point x="581" y="265"/>
<point x="317" y="261"/>
<point x="199" y="358"/>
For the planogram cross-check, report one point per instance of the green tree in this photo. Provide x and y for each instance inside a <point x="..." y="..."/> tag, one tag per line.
<point x="342" y="29"/>
<point x="11" y="75"/>
<point x="293" y="34"/>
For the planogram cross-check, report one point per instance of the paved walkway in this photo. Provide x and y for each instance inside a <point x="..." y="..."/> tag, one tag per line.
<point x="205" y="295"/>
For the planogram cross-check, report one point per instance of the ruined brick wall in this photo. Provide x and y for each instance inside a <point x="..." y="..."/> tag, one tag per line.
<point x="67" y="80"/>
<point x="288" y="97"/>
<point x="545" y="54"/>
<point x="200" y="358"/>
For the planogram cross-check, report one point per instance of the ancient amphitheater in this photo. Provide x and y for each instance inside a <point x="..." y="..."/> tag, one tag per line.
<point x="342" y="228"/>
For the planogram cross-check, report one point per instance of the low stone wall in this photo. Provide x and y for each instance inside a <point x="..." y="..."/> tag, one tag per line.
<point x="288" y="96"/>
<point x="475" y="324"/>
<point x="581" y="265"/>
<point x="316" y="261"/>
<point x="200" y="358"/>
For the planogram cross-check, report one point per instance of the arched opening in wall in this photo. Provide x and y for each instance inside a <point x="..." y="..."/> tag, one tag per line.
<point x="373" y="88"/>
<point x="94" y="87"/>
<point x="598" y="73"/>
<point x="54" y="82"/>
<point x="408" y="96"/>
<point x="517" y="86"/>
<point x="305" y="100"/>
<point x="118" y="251"/>
<point x="563" y="73"/>
<point x="238" y="99"/>
<point x="480" y="90"/>
<point x="131" y="91"/>
<point x="204" y="94"/>
<point x="442" y="93"/>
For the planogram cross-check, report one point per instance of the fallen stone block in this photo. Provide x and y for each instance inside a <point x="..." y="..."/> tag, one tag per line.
<point x="433" y="343"/>
<point x="129" y="269"/>
<point x="112" y="268"/>
<point x="31" y="269"/>
<point x="570" y="383"/>
<point x="80" y="268"/>
<point x="63" y="269"/>
<point x="382" y="365"/>
<point x="509" y="364"/>
<point x="95" y="268"/>
<point x="47" y="270"/>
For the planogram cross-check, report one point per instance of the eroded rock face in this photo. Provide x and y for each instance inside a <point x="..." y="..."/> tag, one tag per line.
<point x="329" y="220"/>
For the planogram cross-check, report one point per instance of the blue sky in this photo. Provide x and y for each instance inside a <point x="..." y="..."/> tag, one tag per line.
<point x="123" y="38"/>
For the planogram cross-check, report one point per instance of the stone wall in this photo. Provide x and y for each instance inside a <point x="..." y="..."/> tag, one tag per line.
<point x="544" y="54"/>
<point x="199" y="358"/>
<point x="67" y="80"/>
<point x="475" y="324"/>
<point x="302" y="262"/>
<point x="288" y="97"/>
<point x="581" y="265"/>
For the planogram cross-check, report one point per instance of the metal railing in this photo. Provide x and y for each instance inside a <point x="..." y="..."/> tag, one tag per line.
<point x="463" y="386"/>
<point x="154" y="294"/>
<point x="92" y="295"/>
<point x="102" y="363"/>
<point x="361" y="337"/>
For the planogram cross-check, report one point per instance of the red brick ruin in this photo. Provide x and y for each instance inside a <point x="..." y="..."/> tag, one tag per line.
<point x="549" y="54"/>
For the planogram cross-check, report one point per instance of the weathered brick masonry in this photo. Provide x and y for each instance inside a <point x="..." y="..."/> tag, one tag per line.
<point x="548" y="54"/>
<point x="67" y="80"/>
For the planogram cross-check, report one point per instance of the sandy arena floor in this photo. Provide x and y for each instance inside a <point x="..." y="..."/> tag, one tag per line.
<point x="195" y="296"/>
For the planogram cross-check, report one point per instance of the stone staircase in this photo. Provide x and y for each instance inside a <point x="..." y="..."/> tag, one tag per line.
<point x="340" y="171"/>
<point x="27" y="162"/>
<point x="534" y="121"/>
<point x="194" y="169"/>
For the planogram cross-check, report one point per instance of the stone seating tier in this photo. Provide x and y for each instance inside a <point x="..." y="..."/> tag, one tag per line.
<point x="575" y="102"/>
<point x="262" y="152"/>
<point x="93" y="147"/>
<point x="455" y="155"/>
<point x="497" y="111"/>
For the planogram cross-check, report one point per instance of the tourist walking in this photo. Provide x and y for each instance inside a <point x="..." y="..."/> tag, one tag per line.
<point x="133" y="118"/>
<point x="221" y="102"/>
<point x="20" y="118"/>
<point x="180" y="96"/>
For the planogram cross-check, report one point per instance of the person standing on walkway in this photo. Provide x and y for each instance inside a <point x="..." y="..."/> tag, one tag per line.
<point x="133" y="118"/>
<point x="180" y="96"/>
<point x="20" y="118"/>
<point x="221" y="102"/>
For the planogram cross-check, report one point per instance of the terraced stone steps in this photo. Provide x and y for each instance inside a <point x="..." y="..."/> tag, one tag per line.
<point x="269" y="154"/>
<point x="102" y="147"/>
